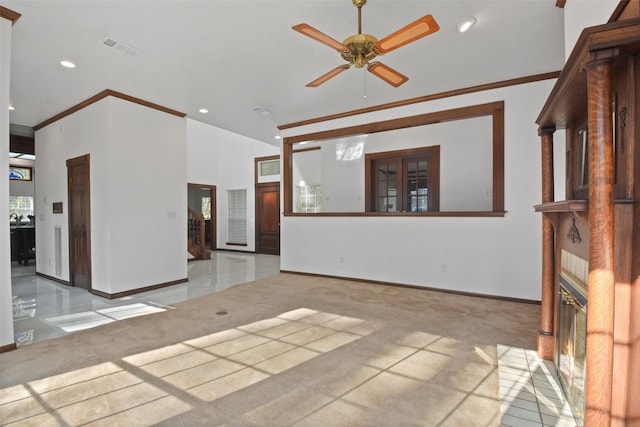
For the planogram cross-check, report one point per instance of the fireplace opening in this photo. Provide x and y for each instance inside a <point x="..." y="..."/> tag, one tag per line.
<point x="572" y="337"/>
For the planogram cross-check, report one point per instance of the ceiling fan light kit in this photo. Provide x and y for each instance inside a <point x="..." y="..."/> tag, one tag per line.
<point x="360" y="49"/>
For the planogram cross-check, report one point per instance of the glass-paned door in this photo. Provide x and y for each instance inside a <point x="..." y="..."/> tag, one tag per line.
<point x="416" y="184"/>
<point x="387" y="186"/>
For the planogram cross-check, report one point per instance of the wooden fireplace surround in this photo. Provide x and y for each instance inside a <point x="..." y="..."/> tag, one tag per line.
<point x="598" y="92"/>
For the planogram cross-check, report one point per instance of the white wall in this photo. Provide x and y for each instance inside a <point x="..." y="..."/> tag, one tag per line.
<point x="226" y="160"/>
<point x="6" y="310"/>
<point x="466" y="178"/>
<point x="493" y="256"/>
<point x="138" y="193"/>
<point x="579" y="14"/>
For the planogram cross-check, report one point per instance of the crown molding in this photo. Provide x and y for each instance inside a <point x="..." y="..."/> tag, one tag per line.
<point x="9" y="14"/>
<point x="104" y="94"/>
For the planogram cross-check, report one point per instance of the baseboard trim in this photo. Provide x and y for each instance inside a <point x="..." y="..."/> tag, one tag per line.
<point x="8" y="347"/>
<point x="54" y="279"/>
<point x="424" y="288"/>
<point x="138" y="290"/>
<point x="237" y="251"/>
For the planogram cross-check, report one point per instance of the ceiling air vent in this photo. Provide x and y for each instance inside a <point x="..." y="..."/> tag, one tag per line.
<point x="120" y="47"/>
<point x="261" y="110"/>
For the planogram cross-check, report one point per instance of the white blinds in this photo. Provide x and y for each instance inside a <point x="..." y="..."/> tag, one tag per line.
<point x="237" y="216"/>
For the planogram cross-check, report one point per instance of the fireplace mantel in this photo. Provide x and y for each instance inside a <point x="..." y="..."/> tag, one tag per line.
<point x="597" y="100"/>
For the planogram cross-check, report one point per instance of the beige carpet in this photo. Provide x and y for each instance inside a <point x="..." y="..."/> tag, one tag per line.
<point x="292" y="350"/>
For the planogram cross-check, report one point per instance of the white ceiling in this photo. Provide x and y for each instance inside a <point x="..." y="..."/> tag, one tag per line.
<point x="231" y="56"/>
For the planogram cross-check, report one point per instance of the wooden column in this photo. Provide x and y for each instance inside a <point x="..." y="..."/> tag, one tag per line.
<point x="600" y="305"/>
<point x="546" y="341"/>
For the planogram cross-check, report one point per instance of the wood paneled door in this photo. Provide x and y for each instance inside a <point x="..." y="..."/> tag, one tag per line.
<point x="268" y="218"/>
<point x="78" y="179"/>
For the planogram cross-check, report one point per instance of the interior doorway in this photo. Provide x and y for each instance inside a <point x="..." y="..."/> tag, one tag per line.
<point x="202" y="200"/>
<point x="78" y="181"/>
<point x="268" y="218"/>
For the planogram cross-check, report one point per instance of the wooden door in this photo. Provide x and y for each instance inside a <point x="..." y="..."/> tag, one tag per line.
<point x="268" y="218"/>
<point x="78" y="179"/>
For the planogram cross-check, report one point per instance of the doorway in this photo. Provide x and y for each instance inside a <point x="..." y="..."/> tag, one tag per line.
<point x="268" y="218"/>
<point x="78" y="181"/>
<point x="202" y="199"/>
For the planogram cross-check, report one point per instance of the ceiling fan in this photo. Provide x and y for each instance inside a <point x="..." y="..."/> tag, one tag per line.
<point x="360" y="49"/>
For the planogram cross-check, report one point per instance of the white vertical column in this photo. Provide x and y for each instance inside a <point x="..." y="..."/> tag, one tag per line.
<point x="6" y="309"/>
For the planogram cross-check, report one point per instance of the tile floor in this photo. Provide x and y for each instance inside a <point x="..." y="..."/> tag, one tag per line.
<point x="43" y="309"/>
<point x="529" y="391"/>
<point x="530" y="394"/>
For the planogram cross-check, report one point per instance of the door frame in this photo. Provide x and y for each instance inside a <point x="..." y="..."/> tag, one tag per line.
<point x="214" y="212"/>
<point x="257" y="186"/>
<point x="77" y="161"/>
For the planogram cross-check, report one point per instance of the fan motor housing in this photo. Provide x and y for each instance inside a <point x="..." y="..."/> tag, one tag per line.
<point x="360" y="49"/>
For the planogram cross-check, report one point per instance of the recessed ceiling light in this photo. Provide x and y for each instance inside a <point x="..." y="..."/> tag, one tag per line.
<point x="203" y="110"/>
<point x="277" y="137"/>
<point x="466" y="23"/>
<point x="67" y="64"/>
<point x="11" y="108"/>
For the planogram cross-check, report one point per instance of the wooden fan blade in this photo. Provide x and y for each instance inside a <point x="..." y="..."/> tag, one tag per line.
<point x="412" y="32"/>
<point x="317" y="82"/>
<point x="387" y="74"/>
<point x="309" y="31"/>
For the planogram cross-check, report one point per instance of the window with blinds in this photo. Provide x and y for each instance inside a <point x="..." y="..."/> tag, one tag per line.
<point x="237" y="217"/>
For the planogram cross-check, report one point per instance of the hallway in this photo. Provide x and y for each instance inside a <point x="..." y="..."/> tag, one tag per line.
<point x="43" y="309"/>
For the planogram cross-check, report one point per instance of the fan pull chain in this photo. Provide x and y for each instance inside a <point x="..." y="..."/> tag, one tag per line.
<point x="364" y="89"/>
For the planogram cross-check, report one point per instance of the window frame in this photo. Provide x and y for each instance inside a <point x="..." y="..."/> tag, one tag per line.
<point x="493" y="109"/>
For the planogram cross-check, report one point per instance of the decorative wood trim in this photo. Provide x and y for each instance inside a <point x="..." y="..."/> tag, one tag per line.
<point x="617" y="12"/>
<point x="137" y="291"/>
<point x="422" y="288"/>
<point x="469" y="214"/>
<point x="568" y="93"/>
<point x="9" y="15"/>
<point x="8" y="347"/>
<point x="266" y="158"/>
<point x="104" y="94"/>
<point x="574" y="233"/>
<point x="302" y="150"/>
<point x="573" y="205"/>
<point x="561" y="3"/>
<point x="53" y="279"/>
<point x="426" y="98"/>
<point x="403" y="122"/>
<point x="498" y="158"/>
<point x="494" y="109"/>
